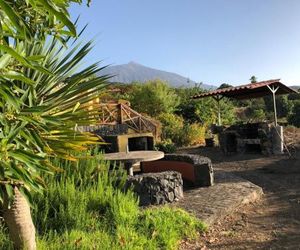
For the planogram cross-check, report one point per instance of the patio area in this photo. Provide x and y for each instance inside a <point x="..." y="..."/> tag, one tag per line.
<point x="259" y="221"/>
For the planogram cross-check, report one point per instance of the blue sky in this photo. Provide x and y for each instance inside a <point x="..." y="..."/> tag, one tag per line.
<point x="213" y="41"/>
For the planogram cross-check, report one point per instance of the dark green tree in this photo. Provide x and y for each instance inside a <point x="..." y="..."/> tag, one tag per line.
<point x="283" y="105"/>
<point x="253" y="79"/>
<point x="294" y="117"/>
<point x="224" y="85"/>
<point x="294" y="96"/>
<point x="188" y="107"/>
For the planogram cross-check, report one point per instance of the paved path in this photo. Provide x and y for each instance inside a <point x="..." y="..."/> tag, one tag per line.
<point x="227" y="195"/>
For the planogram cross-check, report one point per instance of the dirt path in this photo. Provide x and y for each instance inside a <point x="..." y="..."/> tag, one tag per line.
<point x="271" y="223"/>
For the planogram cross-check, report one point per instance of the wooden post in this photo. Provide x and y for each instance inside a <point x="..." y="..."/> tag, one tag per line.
<point x="219" y="113"/>
<point x="218" y="98"/>
<point x="120" y="118"/>
<point x="274" y="90"/>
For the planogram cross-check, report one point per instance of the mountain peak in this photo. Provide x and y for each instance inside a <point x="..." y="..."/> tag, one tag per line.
<point x="135" y="72"/>
<point x="133" y="63"/>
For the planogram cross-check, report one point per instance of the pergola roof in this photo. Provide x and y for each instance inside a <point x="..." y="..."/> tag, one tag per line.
<point x="249" y="91"/>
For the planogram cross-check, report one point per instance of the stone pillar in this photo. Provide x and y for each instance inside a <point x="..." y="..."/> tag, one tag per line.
<point x="277" y="139"/>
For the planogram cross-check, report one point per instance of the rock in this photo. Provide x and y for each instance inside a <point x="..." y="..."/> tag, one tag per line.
<point x="178" y="192"/>
<point x="156" y="188"/>
<point x="171" y="196"/>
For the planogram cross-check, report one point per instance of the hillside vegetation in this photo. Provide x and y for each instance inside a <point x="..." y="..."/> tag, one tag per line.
<point x="185" y="121"/>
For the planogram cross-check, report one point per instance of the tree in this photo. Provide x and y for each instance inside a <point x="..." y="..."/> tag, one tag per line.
<point x="154" y="98"/>
<point x="203" y="110"/>
<point x="294" y="117"/>
<point x="253" y="79"/>
<point x="254" y="114"/>
<point x="283" y="105"/>
<point x="38" y="119"/>
<point x="42" y="100"/>
<point x="224" y="85"/>
<point x="294" y="96"/>
<point x="188" y="108"/>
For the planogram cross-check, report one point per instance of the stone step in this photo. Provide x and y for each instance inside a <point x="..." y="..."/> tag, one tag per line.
<point x="211" y="204"/>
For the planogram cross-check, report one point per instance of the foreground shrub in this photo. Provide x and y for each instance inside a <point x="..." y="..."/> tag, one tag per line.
<point x="84" y="194"/>
<point x="85" y="207"/>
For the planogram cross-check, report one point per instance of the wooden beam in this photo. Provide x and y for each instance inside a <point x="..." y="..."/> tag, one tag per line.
<point x="218" y="98"/>
<point x="274" y="90"/>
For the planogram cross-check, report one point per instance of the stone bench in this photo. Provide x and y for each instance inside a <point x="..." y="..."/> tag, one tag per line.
<point x="156" y="188"/>
<point x="195" y="170"/>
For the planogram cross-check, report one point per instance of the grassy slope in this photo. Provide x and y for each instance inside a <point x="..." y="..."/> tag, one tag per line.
<point x="84" y="208"/>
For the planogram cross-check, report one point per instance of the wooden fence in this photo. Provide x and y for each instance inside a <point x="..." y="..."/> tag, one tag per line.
<point x="119" y="113"/>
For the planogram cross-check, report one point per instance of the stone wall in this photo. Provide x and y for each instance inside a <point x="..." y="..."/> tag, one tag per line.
<point x="156" y="188"/>
<point x="240" y="138"/>
<point x="196" y="170"/>
<point x="105" y="130"/>
<point x="109" y="130"/>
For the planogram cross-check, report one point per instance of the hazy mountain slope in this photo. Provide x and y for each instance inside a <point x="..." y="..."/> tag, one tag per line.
<point x="127" y="73"/>
<point x="295" y="87"/>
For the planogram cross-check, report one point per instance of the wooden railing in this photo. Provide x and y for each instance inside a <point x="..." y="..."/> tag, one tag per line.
<point x="119" y="113"/>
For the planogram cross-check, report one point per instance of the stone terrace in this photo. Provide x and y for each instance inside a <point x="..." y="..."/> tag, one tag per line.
<point x="229" y="193"/>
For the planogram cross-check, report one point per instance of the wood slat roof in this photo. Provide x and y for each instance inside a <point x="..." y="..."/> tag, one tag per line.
<point x="249" y="91"/>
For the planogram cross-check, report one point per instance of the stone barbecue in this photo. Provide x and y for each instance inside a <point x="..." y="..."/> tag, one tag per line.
<point x="157" y="188"/>
<point x="252" y="138"/>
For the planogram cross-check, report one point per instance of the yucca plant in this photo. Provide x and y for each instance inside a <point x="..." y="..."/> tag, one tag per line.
<point x="41" y="107"/>
<point x="43" y="96"/>
<point x="31" y="19"/>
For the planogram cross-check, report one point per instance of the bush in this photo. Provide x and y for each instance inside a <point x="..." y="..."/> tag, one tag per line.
<point x="193" y="134"/>
<point x="181" y="134"/>
<point x="166" y="146"/>
<point x="254" y="114"/>
<point x="172" y="126"/>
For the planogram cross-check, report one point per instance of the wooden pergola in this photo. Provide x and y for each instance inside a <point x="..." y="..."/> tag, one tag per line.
<point x="249" y="91"/>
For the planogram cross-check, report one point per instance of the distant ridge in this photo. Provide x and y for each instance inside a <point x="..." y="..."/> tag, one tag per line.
<point x="132" y="71"/>
<point x="295" y="87"/>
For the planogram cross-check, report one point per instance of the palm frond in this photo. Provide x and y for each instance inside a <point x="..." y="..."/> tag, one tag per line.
<point x="41" y="108"/>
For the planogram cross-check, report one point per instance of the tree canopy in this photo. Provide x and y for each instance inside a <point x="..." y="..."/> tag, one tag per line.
<point x="154" y="98"/>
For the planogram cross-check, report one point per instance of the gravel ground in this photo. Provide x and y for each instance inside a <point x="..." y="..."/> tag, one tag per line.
<point x="273" y="222"/>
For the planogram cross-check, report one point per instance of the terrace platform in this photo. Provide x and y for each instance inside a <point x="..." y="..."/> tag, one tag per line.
<point x="211" y="204"/>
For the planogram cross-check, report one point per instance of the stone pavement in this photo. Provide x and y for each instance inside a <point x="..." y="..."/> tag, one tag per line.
<point x="229" y="193"/>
